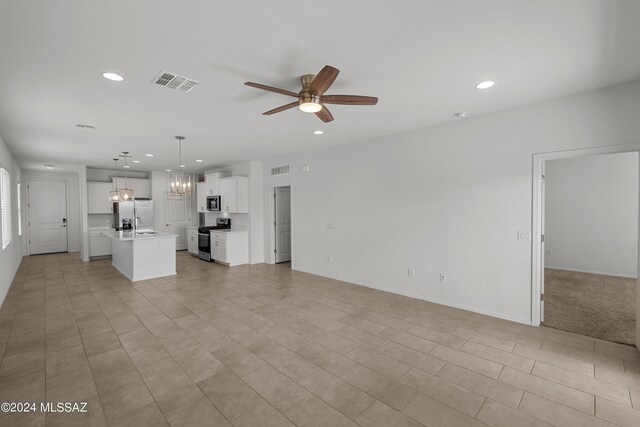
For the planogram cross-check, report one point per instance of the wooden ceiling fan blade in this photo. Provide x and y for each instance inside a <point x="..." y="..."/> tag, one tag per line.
<point x="272" y="89"/>
<point x="323" y="80"/>
<point x="349" y="100"/>
<point x="324" y="114"/>
<point x="281" y="108"/>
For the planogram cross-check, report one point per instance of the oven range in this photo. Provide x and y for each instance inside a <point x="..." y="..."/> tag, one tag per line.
<point x="204" y="237"/>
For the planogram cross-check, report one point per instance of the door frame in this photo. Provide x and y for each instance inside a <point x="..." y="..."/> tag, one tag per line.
<point x="28" y="210"/>
<point x="271" y="219"/>
<point x="537" y="257"/>
<point x="274" y="226"/>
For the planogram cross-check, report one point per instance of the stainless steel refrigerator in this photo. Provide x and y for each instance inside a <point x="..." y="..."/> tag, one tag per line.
<point x="139" y="210"/>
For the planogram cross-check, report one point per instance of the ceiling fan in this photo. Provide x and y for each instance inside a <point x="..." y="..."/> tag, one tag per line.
<point x="311" y="99"/>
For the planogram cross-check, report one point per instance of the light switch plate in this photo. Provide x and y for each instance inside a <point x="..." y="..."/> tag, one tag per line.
<point x="524" y="236"/>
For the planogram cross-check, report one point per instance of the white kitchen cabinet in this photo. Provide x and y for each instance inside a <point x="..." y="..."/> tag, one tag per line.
<point x="213" y="182"/>
<point x="192" y="240"/>
<point x="140" y="186"/>
<point x="99" y="244"/>
<point x="230" y="247"/>
<point x="218" y="248"/>
<point x="234" y="194"/>
<point x="98" y="197"/>
<point x="202" y="191"/>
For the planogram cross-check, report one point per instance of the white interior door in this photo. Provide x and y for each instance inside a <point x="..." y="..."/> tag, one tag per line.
<point x="282" y="202"/>
<point x="178" y="219"/>
<point x="47" y="216"/>
<point x="542" y="246"/>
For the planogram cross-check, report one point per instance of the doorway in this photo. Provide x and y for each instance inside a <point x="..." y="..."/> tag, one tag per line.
<point x="47" y="213"/>
<point x="585" y="262"/>
<point x="282" y="223"/>
<point x="178" y="218"/>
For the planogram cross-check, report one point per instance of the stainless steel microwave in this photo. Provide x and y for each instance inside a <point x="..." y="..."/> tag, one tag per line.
<point x="213" y="203"/>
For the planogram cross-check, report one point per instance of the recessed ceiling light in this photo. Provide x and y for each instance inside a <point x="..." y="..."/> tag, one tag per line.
<point x="461" y="115"/>
<point x="48" y="166"/>
<point x="113" y="77"/>
<point x="318" y="132"/>
<point x="136" y="161"/>
<point x="485" y="85"/>
<point x="199" y="161"/>
<point x="168" y="170"/>
<point x="126" y="166"/>
<point x="149" y="155"/>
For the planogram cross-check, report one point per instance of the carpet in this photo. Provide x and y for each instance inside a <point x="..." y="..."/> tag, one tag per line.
<point x="591" y="304"/>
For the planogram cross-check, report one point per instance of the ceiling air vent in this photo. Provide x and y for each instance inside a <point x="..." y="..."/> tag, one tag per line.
<point x="280" y="170"/>
<point x="83" y="126"/>
<point x="174" y="81"/>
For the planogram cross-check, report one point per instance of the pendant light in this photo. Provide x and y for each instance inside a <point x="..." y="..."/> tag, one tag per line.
<point x="114" y="195"/>
<point x="126" y="192"/>
<point x="180" y="181"/>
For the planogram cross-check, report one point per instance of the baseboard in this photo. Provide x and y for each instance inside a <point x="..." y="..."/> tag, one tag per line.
<point x="592" y="272"/>
<point x="408" y="294"/>
<point x="13" y="277"/>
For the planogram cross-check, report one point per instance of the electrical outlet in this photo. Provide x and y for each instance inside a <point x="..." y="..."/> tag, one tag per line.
<point x="443" y="278"/>
<point x="329" y="259"/>
<point x="411" y="272"/>
<point x="523" y="236"/>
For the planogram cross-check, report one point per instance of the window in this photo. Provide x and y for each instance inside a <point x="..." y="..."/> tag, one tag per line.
<point x="5" y="207"/>
<point x="19" y="211"/>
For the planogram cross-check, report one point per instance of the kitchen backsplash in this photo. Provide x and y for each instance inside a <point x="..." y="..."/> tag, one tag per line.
<point x="238" y="221"/>
<point x="100" y="220"/>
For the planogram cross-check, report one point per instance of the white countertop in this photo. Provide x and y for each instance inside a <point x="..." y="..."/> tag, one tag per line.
<point x="101" y="228"/>
<point x="229" y="231"/>
<point x="128" y="235"/>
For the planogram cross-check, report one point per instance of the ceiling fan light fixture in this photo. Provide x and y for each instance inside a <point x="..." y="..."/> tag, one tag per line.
<point x="312" y="98"/>
<point x="310" y="107"/>
<point x="309" y="104"/>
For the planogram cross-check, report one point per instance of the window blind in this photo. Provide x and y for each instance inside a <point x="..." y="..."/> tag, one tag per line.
<point x="5" y="207"/>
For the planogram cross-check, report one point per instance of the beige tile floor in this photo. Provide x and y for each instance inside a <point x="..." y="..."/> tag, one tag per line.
<point x="265" y="346"/>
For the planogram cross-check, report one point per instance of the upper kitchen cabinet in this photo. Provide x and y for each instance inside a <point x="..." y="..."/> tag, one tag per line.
<point x="202" y="191"/>
<point x="213" y="182"/>
<point x="98" y="197"/>
<point x="234" y="194"/>
<point x="140" y="186"/>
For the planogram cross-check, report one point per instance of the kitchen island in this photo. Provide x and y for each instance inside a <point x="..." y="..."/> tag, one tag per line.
<point x="143" y="255"/>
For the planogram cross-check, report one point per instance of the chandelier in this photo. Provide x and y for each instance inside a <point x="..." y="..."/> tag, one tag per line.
<point x="179" y="180"/>
<point x="123" y="194"/>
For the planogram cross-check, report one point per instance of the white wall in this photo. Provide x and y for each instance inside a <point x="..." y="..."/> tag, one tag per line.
<point x="158" y="182"/>
<point x="11" y="256"/>
<point x="591" y="218"/>
<point x="74" y="201"/>
<point x="445" y="199"/>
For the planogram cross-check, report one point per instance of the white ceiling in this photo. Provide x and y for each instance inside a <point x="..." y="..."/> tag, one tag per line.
<point x="421" y="58"/>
